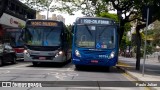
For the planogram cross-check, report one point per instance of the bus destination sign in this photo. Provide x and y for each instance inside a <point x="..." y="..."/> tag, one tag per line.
<point x="95" y="21"/>
<point x="43" y="23"/>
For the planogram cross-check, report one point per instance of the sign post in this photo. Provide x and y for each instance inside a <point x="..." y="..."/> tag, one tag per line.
<point x="145" y="44"/>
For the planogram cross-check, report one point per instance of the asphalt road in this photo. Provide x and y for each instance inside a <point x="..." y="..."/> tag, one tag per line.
<point x="87" y="78"/>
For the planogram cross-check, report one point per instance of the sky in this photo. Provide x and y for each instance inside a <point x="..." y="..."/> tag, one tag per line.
<point x="69" y="19"/>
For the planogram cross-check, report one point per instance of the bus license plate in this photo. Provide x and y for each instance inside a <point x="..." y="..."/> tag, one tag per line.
<point x="94" y="61"/>
<point x="42" y="58"/>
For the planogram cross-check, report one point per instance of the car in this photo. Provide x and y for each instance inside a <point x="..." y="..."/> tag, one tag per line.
<point x="159" y="58"/>
<point x="7" y="54"/>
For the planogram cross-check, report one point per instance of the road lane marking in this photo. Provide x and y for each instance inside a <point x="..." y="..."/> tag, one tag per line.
<point x="17" y="66"/>
<point x="4" y="72"/>
<point x="35" y="69"/>
<point x="135" y="81"/>
<point x="152" y="70"/>
<point x="72" y="74"/>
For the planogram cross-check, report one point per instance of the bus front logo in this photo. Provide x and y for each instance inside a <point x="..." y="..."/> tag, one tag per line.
<point x="103" y="56"/>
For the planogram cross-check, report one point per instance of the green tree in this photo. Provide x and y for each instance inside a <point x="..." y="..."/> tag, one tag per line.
<point x="39" y="5"/>
<point x="108" y="15"/>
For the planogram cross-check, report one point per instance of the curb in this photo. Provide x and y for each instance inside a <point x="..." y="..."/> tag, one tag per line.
<point x="134" y="77"/>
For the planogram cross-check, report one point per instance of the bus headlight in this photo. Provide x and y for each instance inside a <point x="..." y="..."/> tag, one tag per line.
<point x="25" y="51"/>
<point x="59" y="53"/>
<point x="112" y="55"/>
<point x="77" y="53"/>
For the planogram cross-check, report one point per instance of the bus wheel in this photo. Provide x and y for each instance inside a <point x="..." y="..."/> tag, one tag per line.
<point x="14" y="60"/>
<point x="108" y="69"/>
<point x="35" y="63"/>
<point x="1" y="61"/>
<point x="77" y="67"/>
<point x="159" y="58"/>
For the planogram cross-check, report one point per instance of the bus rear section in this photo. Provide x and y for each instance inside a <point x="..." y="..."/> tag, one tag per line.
<point x="16" y="42"/>
<point x="45" y="41"/>
<point x="95" y="42"/>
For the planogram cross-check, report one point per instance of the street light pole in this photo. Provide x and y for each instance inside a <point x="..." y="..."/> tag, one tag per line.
<point x="145" y="42"/>
<point x="47" y="12"/>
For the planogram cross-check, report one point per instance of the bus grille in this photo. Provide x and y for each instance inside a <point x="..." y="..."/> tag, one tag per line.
<point x="93" y="52"/>
<point x="37" y="57"/>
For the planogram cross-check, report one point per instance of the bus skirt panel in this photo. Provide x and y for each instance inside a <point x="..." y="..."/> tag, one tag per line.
<point x="103" y="62"/>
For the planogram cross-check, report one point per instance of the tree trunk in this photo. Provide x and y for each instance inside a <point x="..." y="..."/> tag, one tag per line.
<point x="121" y="30"/>
<point x="138" y="51"/>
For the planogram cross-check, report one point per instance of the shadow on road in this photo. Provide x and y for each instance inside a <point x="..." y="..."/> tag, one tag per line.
<point x="99" y="69"/>
<point x="52" y="65"/>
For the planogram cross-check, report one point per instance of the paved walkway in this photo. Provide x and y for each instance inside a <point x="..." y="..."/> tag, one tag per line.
<point x="151" y="73"/>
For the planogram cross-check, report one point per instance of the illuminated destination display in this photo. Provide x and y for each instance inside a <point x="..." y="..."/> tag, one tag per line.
<point x="41" y="23"/>
<point x="95" y="21"/>
<point x="13" y="30"/>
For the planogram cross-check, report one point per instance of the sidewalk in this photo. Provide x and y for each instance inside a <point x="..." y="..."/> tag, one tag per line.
<point x="151" y="73"/>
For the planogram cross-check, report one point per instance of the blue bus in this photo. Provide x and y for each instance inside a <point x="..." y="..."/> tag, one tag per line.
<point x="95" y="42"/>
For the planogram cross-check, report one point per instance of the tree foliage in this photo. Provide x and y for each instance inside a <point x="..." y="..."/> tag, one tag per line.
<point x="39" y="5"/>
<point x="108" y="15"/>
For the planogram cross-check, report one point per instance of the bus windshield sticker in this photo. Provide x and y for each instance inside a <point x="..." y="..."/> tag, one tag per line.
<point x="86" y="43"/>
<point x="45" y="43"/>
<point x="98" y="45"/>
<point x="41" y="23"/>
<point x="92" y="28"/>
<point x="103" y="46"/>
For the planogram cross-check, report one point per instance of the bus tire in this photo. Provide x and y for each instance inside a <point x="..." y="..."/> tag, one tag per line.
<point x="159" y="58"/>
<point x="35" y="63"/>
<point x="1" y="62"/>
<point x="14" y="60"/>
<point x="77" y="67"/>
<point x="108" y="69"/>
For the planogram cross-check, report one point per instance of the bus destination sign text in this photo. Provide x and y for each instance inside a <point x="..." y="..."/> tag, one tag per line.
<point x="40" y="23"/>
<point x="94" y="21"/>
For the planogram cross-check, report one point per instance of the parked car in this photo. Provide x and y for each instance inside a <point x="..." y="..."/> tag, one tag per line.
<point x="159" y="58"/>
<point x="7" y="54"/>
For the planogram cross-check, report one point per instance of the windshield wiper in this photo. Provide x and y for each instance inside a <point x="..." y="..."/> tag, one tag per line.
<point x="102" y="31"/>
<point x="49" y="33"/>
<point x="88" y="29"/>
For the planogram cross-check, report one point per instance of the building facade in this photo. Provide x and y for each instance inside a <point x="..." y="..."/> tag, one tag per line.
<point x="53" y="17"/>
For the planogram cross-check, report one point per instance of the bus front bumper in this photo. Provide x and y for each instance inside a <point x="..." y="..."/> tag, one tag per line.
<point x="108" y="62"/>
<point x="60" y="58"/>
<point x="19" y="55"/>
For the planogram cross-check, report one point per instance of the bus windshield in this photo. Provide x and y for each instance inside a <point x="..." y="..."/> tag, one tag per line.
<point x="91" y="36"/>
<point x="43" y="36"/>
<point x="14" y="35"/>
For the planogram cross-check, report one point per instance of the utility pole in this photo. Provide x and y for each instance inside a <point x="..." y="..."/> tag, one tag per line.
<point x="48" y="4"/>
<point x="47" y="12"/>
<point x="145" y="44"/>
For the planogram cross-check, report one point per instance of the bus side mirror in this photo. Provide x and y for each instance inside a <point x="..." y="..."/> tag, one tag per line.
<point x="118" y="27"/>
<point x="21" y="37"/>
<point x="72" y="30"/>
<point x="118" y="24"/>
